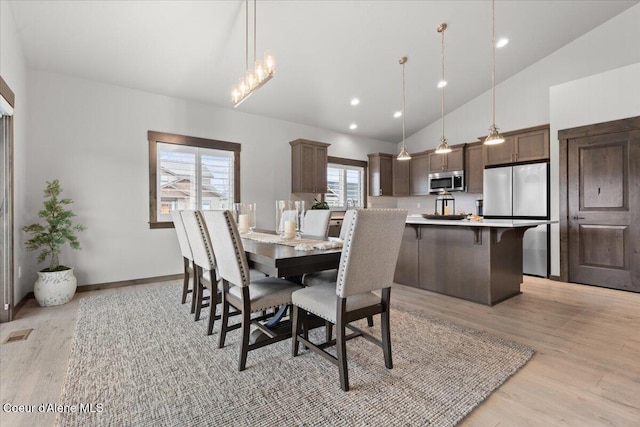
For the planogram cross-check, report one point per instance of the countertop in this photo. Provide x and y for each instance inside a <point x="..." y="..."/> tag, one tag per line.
<point x="497" y="223"/>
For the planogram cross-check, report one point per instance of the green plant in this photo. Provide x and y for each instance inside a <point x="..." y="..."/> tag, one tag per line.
<point x="320" y="205"/>
<point x="58" y="229"/>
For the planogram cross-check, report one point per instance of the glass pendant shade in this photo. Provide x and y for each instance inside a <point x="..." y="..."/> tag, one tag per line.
<point x="404" y="154"/>
<point x="443" y="147"/>
<point x="494" y="136"/>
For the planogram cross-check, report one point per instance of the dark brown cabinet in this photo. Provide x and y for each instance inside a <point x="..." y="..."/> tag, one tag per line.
<point x="519" y="146"/>
<point x="407" y="266"/>
<point x="308" y="166"/>
<point x="453" y="161"/>
<point x="474" y="168"/>
<point x="419" y="171"/>
<point x="401" y="177"/>
<point x="380" y="174"/>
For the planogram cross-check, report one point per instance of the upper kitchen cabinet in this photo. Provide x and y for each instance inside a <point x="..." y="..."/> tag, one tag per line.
<point x="308" y="166"/>
<point x="519" y="146"/>
<point x="419" y="174"/>
<point x="401" y="177"/>
<point x="474" y="168"/>
<point x="380" y="174"/>
<point x="453" y="161"/>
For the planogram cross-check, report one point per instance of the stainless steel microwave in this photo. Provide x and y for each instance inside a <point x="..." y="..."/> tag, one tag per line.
<point x="450" y="181"/>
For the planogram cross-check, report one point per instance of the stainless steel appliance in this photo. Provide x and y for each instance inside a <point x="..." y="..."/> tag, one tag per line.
<point x="450" y="181"/>
<point x="521" y="192"/>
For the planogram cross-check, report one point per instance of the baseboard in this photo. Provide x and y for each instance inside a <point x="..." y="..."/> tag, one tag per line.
<point x="132" y="282"/>
<point x="555" y="278"/>
<point x="21" y="303"/>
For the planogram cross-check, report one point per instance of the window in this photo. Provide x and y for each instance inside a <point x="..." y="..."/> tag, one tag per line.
<point x="190" y="173"/>
<point x="346" y="183"/>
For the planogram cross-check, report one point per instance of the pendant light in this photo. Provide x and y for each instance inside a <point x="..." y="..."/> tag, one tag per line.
<point x="262" y="71"/>
<point x="494" y="136"/>
<point x="443" y="147"/>
<point x="404" y="154"/>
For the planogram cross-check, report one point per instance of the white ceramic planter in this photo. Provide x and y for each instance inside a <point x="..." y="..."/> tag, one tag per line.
<point x="55" y="287"/>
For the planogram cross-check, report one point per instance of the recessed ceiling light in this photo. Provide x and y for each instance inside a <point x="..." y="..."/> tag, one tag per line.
<point x="502" y="42"/>
<point x="397" y="114"/>
<point x="441" y="84"/>
<point x="353" y="126"/>
<point x="355" y="101"/>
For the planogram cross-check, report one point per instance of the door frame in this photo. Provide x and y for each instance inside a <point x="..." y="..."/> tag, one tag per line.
<point x="564" y="136"/>
<point x="8" y="287"/>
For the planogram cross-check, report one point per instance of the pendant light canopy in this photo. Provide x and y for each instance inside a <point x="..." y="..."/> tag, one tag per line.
<point x="494" y="136"/>
<point x="443" y="147"/>
<point x="404" y="154"/>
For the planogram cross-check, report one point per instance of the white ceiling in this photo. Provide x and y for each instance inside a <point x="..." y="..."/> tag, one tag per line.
<point x="326" y="51"/>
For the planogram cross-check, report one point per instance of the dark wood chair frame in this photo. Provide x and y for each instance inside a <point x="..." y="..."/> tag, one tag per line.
<point x="300" y="333"/>
<point x="243" y="306"/>
<point x="188" y="275"/>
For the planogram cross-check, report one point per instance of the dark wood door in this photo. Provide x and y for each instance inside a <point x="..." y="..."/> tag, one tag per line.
<point x="474" y="174"/>
<point x="401" y="177"/>
<point x="603" y="202"/>
<point x="455" y="159"/>
<point x="419" y="171"/>
<point x="500" y="154"/>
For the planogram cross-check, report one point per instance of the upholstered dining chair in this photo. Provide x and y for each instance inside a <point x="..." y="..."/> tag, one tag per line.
<point x="187" y="258"/>
<point x="330" y="276"/>
<point x="367" y="264"/>
<point x="204" y="264"/>
<point x="316" y="222"/>
<point x="239" y="290"/>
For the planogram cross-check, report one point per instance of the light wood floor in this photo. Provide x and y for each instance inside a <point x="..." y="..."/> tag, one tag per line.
<point x="586" y="370"/>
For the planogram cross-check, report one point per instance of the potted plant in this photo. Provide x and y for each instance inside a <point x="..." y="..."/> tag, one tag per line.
<point x="56" y="284"/>
<point x="319" y="204"/>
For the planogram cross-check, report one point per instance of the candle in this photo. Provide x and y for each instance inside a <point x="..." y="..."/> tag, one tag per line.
<point x="289" y="229"/>
<point x="243" y="223"/>
<point x="446" y="210"/>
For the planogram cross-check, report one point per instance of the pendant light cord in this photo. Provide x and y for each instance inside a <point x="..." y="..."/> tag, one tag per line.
<point x="255" y="32"/>
<point x="444" y="27"/>
<point x="246" y="36"/>
<point x="493" y="48"/>
<point x="403" y="101"/>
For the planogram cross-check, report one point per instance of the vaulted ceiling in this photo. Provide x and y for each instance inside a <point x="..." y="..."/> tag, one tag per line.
<point x="327" y="52"/>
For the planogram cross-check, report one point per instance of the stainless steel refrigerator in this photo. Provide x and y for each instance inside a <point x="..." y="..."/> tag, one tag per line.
<point x="518" y="193"/>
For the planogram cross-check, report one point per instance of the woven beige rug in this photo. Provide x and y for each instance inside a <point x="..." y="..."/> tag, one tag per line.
<point x="139" y="359"/>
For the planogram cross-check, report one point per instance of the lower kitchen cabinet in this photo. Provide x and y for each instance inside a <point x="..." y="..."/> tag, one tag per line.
<point x="407" y="266"/>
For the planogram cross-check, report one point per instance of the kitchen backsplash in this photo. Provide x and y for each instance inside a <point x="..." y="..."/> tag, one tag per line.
<point x="465" y="202"/>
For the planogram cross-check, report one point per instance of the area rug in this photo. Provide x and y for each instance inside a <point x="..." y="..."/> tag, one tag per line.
<point x="139" y="359"/>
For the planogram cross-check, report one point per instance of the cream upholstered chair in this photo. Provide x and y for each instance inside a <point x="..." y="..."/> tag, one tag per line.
<point x="330" y="276"/>
<point x="367" y="264"/>
<point x="316" y="222"/>
<point x="187" y="257"/>
<point x="238" y="290"/>
<point x="204" y="264"/>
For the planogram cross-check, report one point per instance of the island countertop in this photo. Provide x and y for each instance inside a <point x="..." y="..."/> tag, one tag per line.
<point x="495" y="223"/>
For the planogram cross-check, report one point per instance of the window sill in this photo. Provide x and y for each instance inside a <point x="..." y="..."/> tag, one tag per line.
<point x="162" y="224"/>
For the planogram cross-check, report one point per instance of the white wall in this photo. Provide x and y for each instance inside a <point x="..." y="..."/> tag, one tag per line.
<point x="14" y="71"/>
<point x="600" y="98"/>
<point x="524" y="100"/>
<point x="93" y="138"/>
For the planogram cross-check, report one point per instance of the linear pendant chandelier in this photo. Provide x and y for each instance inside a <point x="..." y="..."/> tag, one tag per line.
<point x="443" y="147"/>
<point x="262" y="71"/>
<point x="494" y="136"/>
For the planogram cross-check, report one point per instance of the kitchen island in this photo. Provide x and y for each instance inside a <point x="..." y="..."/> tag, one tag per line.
<point x="475" y="261"/>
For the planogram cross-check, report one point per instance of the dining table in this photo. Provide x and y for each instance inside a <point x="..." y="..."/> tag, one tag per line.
<point x="285" y="258"/>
